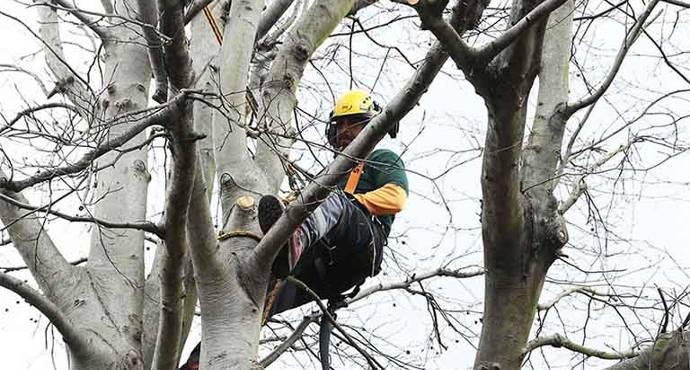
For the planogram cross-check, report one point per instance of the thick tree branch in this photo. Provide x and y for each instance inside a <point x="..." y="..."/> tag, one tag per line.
<point x="183" y="144"/>
<point x="144" y="119"/>
<point x="195" y="8"/>
<point x="558" y="341"/>
<point x="464" y="56"/>
<point x="669" y="352"/>
<point x="234" y="164"/>
<point x="73" y="337"/>
<point x="516" y="253"/>
<point x="278" y="95"/>
<point x="271" y="15"/>
<point x="148" y="14"/>
<point x="32" y="242"/>
<point x="70" y="82"/>
<point x="486" y="53"/>
<point x="630" y="39"/>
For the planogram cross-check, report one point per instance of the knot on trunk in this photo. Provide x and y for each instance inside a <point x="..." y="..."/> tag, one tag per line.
<point x="132" y="360"/>
<point x="486" y="365"/>
<point x="556" y="232"/>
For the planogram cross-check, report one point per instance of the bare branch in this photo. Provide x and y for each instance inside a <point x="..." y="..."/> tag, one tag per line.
<point x="568" y="292"/>
<point x="70" y="334"/>
<point x="145" y="226"/>
<point x="30" y="111"/>
<point x="370" y="360"/>
<point x="487" y="52"/>
<point x="32" y="242"/>
<point x="682" y="4"/>
<point x="20" y="268"/>
<point x="10" y="67"/>
<point x="85" y="19"/>
<point x="580" y="187"/>
<point x="78" y="90"/>
<point x="669" y="351"/>
<point x="414" y="278"/>
<point x="148" y="117"/>
<point x="148" y="12"/>
<point x="271" y="15"/>
<point x="462" y="54"/>
<point x="572" y="108"/>
<point x="557" y="340"/>
<point x="287" y="343"/>
<point x="195" y="8"/>
<point x="183" y="144"/>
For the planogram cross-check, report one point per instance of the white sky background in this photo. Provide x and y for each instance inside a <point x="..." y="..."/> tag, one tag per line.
<point x="647" y="239"/>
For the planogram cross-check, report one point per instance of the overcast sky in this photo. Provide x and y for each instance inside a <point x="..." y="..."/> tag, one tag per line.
<point x="647" y="211"/>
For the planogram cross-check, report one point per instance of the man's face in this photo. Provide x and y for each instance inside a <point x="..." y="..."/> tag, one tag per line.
<point x="347" y="128"/>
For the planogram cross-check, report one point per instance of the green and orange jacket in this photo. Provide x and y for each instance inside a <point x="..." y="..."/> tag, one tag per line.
<point x="382" y="187"/>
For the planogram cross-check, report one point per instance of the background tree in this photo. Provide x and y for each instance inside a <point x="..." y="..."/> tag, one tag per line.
<point x="228" y="111"/>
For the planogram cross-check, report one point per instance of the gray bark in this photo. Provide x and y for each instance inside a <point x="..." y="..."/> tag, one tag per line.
<point x="522" y="231"/>
<point x="670" y="351"/>
<point x="104" y="299"/>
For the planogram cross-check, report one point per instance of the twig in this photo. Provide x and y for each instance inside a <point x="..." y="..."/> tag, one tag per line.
<point x="20" y="268"/>
<point x="160" y="116"/>
<point x="372" y="361"/>
<point x="88" y="21"/>
<point x="630" y="39"/>
<point x="296" y="335"/>
<point x="439" y="272"/>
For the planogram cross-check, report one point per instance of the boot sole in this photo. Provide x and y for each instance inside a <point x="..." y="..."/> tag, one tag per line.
<point x="270" y="210"/>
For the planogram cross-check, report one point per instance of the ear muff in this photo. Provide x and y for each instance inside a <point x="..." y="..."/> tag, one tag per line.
<point x="331" y="131"/>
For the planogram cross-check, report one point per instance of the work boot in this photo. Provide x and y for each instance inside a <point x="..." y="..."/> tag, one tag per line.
<point x="270" y="210"/>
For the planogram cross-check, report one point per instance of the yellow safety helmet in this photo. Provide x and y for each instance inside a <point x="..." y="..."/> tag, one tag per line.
<point x="354" y="104"/>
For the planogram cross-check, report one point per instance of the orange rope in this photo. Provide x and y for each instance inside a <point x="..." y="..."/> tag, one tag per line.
<point x="214" y="26"/>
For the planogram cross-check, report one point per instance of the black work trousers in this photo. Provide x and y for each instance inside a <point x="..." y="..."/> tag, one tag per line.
<point x="348" y="248"/>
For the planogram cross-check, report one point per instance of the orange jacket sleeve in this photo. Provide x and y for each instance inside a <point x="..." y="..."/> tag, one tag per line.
<point x="386" y="200"/>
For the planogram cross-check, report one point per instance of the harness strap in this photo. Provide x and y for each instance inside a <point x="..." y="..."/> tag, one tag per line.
<point x="353" y="180"/>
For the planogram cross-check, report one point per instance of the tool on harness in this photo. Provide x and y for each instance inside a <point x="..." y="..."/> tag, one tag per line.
<point x="354" y="177"/>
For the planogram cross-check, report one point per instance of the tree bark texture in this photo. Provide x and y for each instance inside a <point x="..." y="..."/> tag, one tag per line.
<point x="521" y="229"/>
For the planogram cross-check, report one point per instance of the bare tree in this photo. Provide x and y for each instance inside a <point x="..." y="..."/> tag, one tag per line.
<point x="226" y="115"/>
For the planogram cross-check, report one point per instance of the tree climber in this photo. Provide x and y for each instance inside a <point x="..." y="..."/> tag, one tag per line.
<point x="341" y="243"/>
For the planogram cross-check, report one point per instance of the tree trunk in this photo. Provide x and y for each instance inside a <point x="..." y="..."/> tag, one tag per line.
<point x="521" y="228"/>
